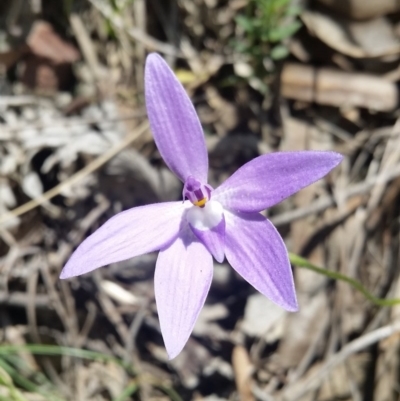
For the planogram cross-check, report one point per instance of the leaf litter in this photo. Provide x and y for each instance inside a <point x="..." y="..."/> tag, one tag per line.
<point x="337" y="345"/>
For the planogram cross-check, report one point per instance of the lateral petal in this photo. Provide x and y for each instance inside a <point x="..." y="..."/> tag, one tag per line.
<point x="130" y="233"/>
<point x="176" y="128"/>
<point x="257" y="252"/>
<point x="182" y="280"/>
<point x="269" y="179"/>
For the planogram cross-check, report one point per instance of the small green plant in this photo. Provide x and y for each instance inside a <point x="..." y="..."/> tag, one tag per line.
<point x="17" y="380"/>
<point x="264" y="27"/>
<point x="7" y="389"/>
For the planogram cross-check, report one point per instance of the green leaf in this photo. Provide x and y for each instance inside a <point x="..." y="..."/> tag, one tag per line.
<point x="293" y="11"/>
<point x="279" y="52"/>
<point x="131" y="389"/>
<point x="277" y="4"/>
<point x="245" y="23"/>
<point x="241" y="47"/>
<point x="283" y="32"/>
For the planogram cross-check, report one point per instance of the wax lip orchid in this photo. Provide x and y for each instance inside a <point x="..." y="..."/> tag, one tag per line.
<point x="221" y="222"/>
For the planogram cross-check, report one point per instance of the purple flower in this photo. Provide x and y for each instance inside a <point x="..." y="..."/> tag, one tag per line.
<point x="221" y="222"/>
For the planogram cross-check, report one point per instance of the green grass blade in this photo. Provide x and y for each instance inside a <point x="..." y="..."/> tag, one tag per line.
<point x="56" y="350"/>
<point x="129" y="390"/>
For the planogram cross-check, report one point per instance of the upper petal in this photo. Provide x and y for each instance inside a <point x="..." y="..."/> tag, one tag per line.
<point x="182" y="280"/>
<point x="176" y="128"/>
<point x="130" y="233"/>
<point x="257" y="252"/>
<point x="270" y="178"/>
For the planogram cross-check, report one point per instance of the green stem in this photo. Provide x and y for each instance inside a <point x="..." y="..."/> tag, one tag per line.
<point x="49" y="350"/>
<point x="128" y="391"/>
<point x="55" y="350"/>
<point x="170" y="392"/>
<point x="304" y="263"/>
<point x="26" y="383"/>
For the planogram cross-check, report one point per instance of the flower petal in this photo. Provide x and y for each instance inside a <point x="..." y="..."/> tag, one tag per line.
<point x="270" y="178"/>
<point x="130" y="233"/>
<point x="213" y="239"/>
<point x="176" y="128"/>
<point x="208" y="224"/>
<point x="257" y="252"/>
<point x="182" y="280"/>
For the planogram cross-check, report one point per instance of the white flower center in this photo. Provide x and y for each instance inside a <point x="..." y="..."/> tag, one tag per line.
<point x="206" y="217"/>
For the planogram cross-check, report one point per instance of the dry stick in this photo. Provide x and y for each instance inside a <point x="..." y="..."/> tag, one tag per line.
<point x="298" y="390"/>
<point x="327" y="201"/>
<point x="389" y="160"/>
<point x="139" y="10"/>
<point x="22" y="100"/>
<point x="90" y="168"/>
<point x="135" y="33"/>
<point x="8" y="133"/>
<point x="22" y="299"/>
<point x="86" y="46"/>
<point x="309" y="356"/>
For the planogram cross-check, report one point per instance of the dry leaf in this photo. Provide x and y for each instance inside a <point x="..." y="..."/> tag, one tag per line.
<point x="362" y="9"/>
<point x="347" y="36"/>
<point x="242" y="368"/>
<point x="337" y="88"/>
<point x="262" y="315"/>
<point x="44" y="42"/>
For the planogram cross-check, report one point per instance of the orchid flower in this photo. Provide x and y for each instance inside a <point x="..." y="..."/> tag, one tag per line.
<point x="219" y="223"/>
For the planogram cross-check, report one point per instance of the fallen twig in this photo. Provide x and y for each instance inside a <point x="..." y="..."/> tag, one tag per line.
<point x="90" y="168"/>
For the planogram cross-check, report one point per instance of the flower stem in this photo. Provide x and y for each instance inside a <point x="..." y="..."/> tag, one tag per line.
<point x="304" y="263"/>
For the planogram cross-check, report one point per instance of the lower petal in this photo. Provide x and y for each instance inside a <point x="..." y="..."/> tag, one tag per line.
<point x="130" y="233"/>
<point x="257" y="252"/>
<point x="182" y="280"/>
<point x="208" y="224"/>
<point x="213" y="239"/>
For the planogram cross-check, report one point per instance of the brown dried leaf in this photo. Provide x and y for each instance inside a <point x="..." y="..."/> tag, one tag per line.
<point x="44" y="42"/>
<point x="348" y="37"/>
<point x="362" y="9"/>
<point x="242" y="367"/>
